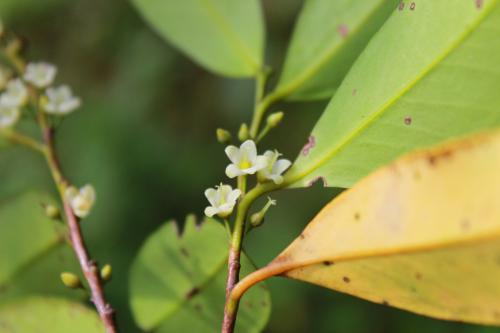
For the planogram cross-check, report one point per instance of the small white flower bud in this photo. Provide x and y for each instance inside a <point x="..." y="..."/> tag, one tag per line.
<point x="222" y="199"/>
<point x="9" y="116"/>
<point x="60" y="101"/>
<point x="244" y="160"/>
<point x="40" y="74"/>
<point x="15" y="95"/>
<point x="81" y="200"/>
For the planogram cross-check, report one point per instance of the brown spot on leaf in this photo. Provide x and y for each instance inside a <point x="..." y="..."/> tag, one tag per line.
<point x="401" y="6"/>
<point x="343" y="30"/>
<point x="408" y="120"/>
<point x="315" y="180"/>
<point x="385" y="302"/>
<point x="412" y="6"/>
<point x="354" y="92"/>
<point x="302" y="236"/>
<point x="311" y="142"/>
<point x="435" y="158"/>
<point x="248" y="304"/>
<point x="357" y="216"/>
<point x="346" y="279"/>
<point x="328" y="263"/>
<point x="479" y="4"/>
<point x="418" y="276"/>
<point x="193" y="292"/>
<point x="184" y="252"/>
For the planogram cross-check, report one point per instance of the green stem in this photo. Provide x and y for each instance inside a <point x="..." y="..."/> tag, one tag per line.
<point x="23" y="140"/>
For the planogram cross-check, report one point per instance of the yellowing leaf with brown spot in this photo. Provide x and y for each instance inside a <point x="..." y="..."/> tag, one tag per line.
<point x="422" y="234"/>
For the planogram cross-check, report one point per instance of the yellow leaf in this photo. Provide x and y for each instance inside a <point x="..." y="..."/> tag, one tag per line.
<point x="422" y="234"/>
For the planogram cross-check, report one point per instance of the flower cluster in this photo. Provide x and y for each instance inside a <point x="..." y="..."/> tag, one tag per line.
<point x="244" y="161"/>
<point x="35" y="81"/>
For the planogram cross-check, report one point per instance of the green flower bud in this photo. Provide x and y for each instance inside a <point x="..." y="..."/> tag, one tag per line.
<point x="274" y="119"/>
<point x="52" y="212"/>
<point x="71" y="280"/>
<point x="106" y="272"/>
<point x="243" y="133"/>
<point x="223" y="136"/>
<point x="256" y="219"/>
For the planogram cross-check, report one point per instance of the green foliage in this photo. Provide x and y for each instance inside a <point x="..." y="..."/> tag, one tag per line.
<point x="328" y="37"/>
<point x="177" y="282"/>
<point x="32" y="250"/>
<point x="34" y="315"/>
<point x="226" y="36"/>
<point x="427" y="76"/>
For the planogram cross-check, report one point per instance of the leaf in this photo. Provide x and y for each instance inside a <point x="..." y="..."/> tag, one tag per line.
<point x="32" y="250"/>
<point x="53" y="315"/>
<point x="178" y="282"/>
<point x="328" y="37"/>
<point x="422" y="234"/>
<point x="225" y="36"/>
<point x="429" y="74"/>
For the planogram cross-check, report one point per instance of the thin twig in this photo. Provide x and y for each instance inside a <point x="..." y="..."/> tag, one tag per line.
<point x="88" y="266"/>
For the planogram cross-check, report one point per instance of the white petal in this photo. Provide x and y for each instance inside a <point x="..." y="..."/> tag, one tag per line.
<point x="277" y="179"/>
<point x="88" y="192"/>
<point x="233" y="196"/>
<point x="225" y="210"/>
<point x="210" y="211"/>
<point x="269" y="154"/>
<point x="233" y="171"/>
<point x="70" y="193"/>
<point x="211" y="195"/>
<point x="260" y="163"/>
<point x="280" y="166"/>
<point x="233" y="153"/>
<point x="249" y="150"/>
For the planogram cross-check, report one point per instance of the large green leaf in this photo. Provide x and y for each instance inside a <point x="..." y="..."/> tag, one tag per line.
<point x="430" y="73"/>
<point x="35" y="315"/>
<point x="32" y="250"/>
<point x="328" y="37"/>
<point x="177" y="282"/>
<point x="226" y="36"/>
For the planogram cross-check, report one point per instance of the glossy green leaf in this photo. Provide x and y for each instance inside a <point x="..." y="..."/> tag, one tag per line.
<point x="431" y="73"/>
<point x="225" y="36"/>
<point x="177" y="282"/>
<point x="36" y="315"/>
<point x="32" y="250"/>
<point x="328" y="37"/>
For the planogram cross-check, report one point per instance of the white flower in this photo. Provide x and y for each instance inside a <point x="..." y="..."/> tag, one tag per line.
<point x="222" y="199"/>
<point x="61" y="101"/>
<point x="40" y="74"/>
<point x="244" y="160"/>
<point x="275" y="168"/>
<point x="8" y="116"/>
<point x="15" y="94"/>
<point x="81" y="200"/>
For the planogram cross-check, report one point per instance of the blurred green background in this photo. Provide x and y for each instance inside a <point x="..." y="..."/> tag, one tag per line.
<point x="145" y="138"/>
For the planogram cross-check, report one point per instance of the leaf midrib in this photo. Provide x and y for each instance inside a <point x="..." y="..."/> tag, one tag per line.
<point x="375" y="115"/>
<point x="201" y="287"/>
<point x="316" y="66"/>
<point x="235" y="42"/>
